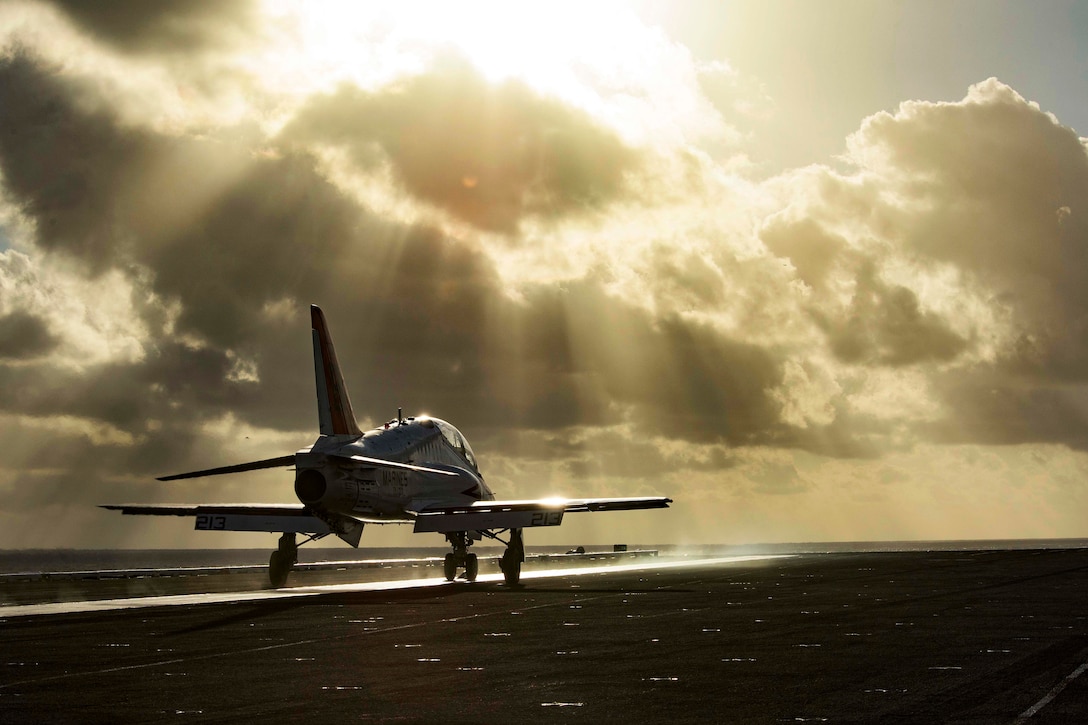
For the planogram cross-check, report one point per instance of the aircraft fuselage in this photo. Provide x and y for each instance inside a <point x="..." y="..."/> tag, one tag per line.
<point x="440" y="469"/>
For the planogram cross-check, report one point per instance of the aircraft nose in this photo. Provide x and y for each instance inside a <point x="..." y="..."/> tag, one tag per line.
<point x="310" y="486"/>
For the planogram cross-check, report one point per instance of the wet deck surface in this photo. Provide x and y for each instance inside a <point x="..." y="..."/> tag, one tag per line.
<point x="905" y="637"/>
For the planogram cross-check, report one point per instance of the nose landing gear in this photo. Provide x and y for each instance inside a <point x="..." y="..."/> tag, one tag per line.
<point x="509" y="562"/>
<point x="460" y="557"/>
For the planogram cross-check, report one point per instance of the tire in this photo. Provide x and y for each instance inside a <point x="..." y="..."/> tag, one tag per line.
<point x="278" y="569"/>
<point x="472" y="567"/>
<point x="511" y="568"/>
<point x="512" y="558"/>
<point x="449" y="567"/>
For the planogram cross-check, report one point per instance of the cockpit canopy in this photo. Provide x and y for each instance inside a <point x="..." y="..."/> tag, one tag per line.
<point x="454" y="436"/>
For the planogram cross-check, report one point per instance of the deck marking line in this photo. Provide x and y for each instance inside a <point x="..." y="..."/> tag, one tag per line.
<point x="1030" y="712"/>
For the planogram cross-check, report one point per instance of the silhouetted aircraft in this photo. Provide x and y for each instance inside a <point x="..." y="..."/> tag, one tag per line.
<point x="418" y="471"/>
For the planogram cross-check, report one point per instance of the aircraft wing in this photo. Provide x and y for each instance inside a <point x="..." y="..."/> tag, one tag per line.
<point x="235" y="517"/>
<point x="522" y="513"/>
<point x="277" y="462"/>
<point x="282" y="461"/>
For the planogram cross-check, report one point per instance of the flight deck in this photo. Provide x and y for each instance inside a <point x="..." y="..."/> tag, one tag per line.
<point x="924" y="636"/>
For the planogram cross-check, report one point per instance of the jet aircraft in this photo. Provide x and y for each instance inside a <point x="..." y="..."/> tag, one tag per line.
<point x="416" y="470"/>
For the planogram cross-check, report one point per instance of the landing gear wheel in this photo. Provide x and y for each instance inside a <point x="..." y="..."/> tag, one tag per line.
<point x="282" y="560"/>
<point x="511" y="569"/>
<point x="510" y="563"/>
<point x="450" y="567"/>
<point x="472" y="567"/>
<point x="278" y="569"/>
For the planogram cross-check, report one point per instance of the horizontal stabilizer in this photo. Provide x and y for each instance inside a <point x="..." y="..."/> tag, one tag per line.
<point x="253" y="466"/>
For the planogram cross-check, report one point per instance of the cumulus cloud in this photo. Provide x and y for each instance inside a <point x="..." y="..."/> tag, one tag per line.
<point x="998" y="189"/>
<point x="60" y="165"/>
<point x="989" y="188"/>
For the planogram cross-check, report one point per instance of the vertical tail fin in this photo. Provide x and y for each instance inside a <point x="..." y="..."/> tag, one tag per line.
<point x="333" y="406"/>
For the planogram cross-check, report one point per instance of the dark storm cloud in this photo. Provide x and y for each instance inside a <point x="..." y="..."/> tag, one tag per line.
<point x="277" y="230"/>
<point x="155" y="27"/>
<point x="490" y="154"/>
<point x="24" y="336"/>
<point x="111" y="195"/>
<point x="63" y="165"/>
<point x="97" y="189"/>
<point x="174" y="381"/>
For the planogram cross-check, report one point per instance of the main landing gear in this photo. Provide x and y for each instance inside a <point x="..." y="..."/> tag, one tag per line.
<point x="282" y="561"/>
<point x="284" y="558"/>
<point x="460" y="557"/>
<point x="510" y="563"/>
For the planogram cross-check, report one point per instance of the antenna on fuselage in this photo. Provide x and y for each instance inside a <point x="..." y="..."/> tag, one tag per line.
<point x="400" y="416"/>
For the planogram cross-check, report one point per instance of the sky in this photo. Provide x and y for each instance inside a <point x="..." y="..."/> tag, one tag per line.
<point x="816" y="271"/>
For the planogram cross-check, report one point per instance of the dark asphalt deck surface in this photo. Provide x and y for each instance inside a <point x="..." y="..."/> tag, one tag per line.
<point x="919" y="637"/>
